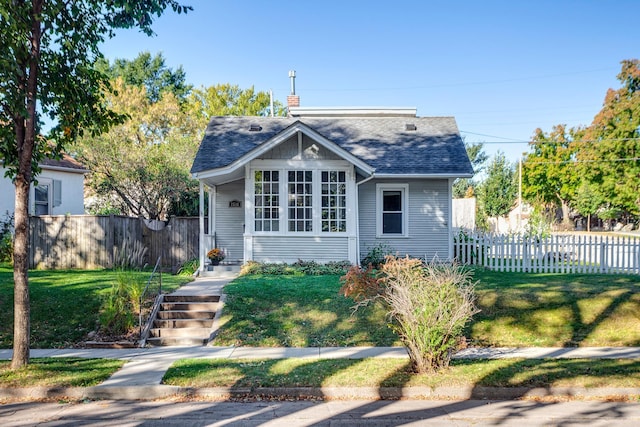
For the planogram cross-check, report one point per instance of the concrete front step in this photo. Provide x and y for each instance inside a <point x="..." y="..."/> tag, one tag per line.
<point x="176" y="341"/>
<point x="222" y="271"/>
<point x="181" y="314"/>
<point x="184" y="320"/>
<point x="183" y="323"/>
<point x="191" y="298"/>
<point x="179" y="332"/>
<point x="188" y="306"/>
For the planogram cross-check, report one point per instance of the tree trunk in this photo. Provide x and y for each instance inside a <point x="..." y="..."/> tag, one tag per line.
<point x="21" y="307"/>
<point x="588" y="223"/>
<point x="25" y="126"/>
<point x="566" y="221"/>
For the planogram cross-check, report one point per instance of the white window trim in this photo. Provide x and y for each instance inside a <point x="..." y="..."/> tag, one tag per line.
<point x="49" y="183"/>
<point x="404" y="190"/>
<point x="316" y="167"/>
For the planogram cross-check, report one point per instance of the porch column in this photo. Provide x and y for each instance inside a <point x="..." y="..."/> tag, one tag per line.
<point x="202" y="254"/>
<point x="248" y="215"/>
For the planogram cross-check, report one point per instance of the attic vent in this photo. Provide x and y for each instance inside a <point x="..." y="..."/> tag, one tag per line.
<point x="255" y="128"/>
<point x="410" y="126"/>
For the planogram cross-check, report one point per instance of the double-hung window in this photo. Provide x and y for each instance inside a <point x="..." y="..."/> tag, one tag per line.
<point x="41" y="198"/>
<point x="392" y="210"/>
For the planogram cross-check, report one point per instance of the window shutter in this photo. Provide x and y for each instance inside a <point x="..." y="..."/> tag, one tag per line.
<point x="57" y="193"/>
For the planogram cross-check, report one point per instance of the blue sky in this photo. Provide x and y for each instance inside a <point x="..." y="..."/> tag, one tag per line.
<point x="501" y="68"/>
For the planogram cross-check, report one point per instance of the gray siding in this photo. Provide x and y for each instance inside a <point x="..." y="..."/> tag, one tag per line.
<point x="230" y="221"/>
<point x="310" y="151"/>
<point x="292" y="248"/>
<point x="428" y="234"/>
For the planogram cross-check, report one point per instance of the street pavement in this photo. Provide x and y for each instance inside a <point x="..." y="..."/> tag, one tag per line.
<point x="506" y="413"/>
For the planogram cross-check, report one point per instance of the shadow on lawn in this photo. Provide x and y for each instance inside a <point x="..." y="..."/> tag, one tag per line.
<point x="562" y="311"/>
<point x="299" y="312"/>
<point x="517" y="378"/>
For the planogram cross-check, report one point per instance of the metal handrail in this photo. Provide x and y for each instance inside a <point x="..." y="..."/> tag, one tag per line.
<point x="144" y="292"/>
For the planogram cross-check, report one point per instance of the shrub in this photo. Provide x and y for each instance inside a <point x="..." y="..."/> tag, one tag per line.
<point x="363" y="285"/>
<point x="250" y="267"/>
<point x="429" y="306"/>
<point x="189" y="267"/>
<point x="311" y="268"/>
<point x="336" y="267"/>
<point x="122" y="304"/>
<point x="376" y="255"/>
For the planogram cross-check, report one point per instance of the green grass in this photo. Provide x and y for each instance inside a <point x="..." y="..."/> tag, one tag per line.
<point x="396" y="373"/>
<point x="297" y="311"/>
<point x="64" y="303"/>
<point x="566" y="310"/>
<point x="60" y="372"/>
<point x="517" y="309"/>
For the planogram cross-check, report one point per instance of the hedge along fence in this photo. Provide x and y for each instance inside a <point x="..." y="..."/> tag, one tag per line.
<point x="88" y="241"/>
<point x="553" y="254"/>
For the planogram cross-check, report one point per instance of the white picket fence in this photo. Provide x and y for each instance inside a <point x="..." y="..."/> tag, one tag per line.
<point x="554" y="254"/>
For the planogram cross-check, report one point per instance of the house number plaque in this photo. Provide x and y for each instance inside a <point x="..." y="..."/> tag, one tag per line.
<point x="235" y="204"/>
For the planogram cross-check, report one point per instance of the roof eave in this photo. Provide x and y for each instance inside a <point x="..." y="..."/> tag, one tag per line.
<point x="423" y="175"/>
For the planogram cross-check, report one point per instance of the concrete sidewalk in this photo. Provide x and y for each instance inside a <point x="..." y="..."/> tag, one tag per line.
<point x="141" y="377"/>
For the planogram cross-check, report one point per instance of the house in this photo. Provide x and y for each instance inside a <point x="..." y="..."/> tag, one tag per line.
<point x="328" y="184"/>
<point x="59" y="189"/>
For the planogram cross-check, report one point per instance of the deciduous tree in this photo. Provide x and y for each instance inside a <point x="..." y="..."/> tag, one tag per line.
<point x="140" y="166"/>
<point x="46" y="66"/>
<point x="587" y="201"/>
<point x="549" y="171"/>
<point x="610" y="151"/>
<point x="464" y="186"/>
<point x="498" y="191"/>
<point x="149" y="71"/>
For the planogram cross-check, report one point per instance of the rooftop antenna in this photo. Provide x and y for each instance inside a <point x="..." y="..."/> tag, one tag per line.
<point x="292" y="76"/>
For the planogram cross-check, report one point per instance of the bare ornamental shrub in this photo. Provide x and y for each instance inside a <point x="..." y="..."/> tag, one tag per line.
<point x="428" y="305"/>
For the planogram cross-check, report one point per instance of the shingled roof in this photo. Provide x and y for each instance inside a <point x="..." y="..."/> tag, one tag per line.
<point x="390" y="145"/>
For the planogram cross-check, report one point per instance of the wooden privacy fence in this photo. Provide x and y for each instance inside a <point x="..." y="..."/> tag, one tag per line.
<point x="87" y="241"/>
<point x="554" y="254"/>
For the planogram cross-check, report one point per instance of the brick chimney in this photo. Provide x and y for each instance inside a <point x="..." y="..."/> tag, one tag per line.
<point x="293" y="100"/>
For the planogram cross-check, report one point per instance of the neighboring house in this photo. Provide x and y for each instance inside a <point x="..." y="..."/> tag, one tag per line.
<point x="328" y="184"/>
<point x="59" y="189"/>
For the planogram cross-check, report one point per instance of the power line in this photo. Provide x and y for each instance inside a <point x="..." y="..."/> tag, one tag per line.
<point x="515" y="141"/>
<point x="557" y="162"/>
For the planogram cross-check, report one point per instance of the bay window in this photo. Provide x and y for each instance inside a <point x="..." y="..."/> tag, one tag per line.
<point x="305" y="200"/>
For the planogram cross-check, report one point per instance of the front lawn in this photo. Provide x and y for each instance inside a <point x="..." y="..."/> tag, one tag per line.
<point x="59" y="372"/>
<point x="298" y="311"/>
<point x="396" y="373"/>
<point x="518" y="309"/>
<point x="556" y="310"/>
<point x="64" y="303"/>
